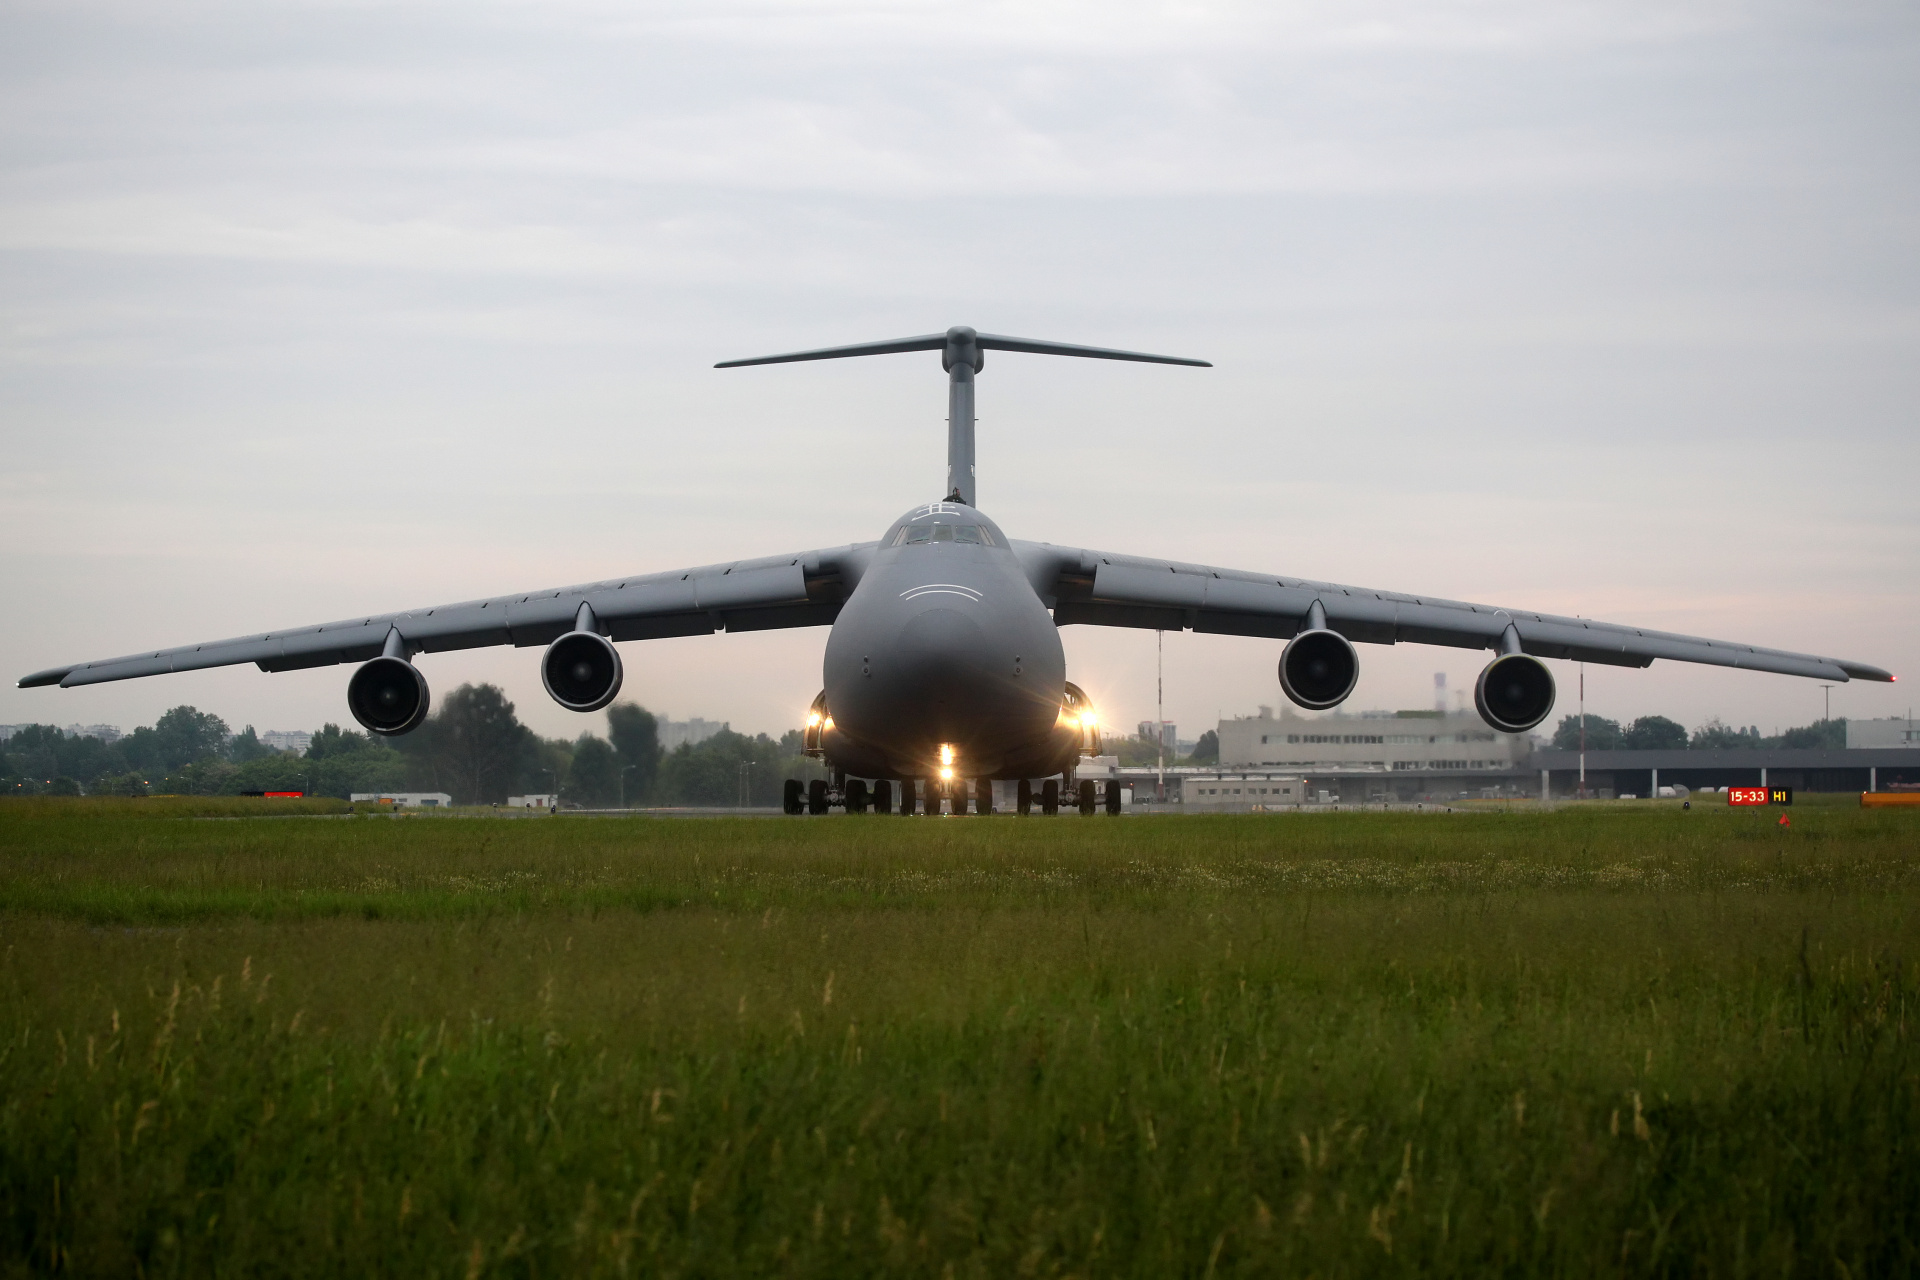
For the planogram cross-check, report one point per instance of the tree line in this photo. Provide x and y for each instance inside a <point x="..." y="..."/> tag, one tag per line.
<point x="473" y="747"/>
<point x="1657" y="733"/>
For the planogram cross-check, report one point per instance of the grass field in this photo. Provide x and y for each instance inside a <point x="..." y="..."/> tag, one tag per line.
<point x="1610" y="1040"/>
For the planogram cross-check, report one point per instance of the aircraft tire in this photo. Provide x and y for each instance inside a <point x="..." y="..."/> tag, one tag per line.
<point x="790" y="799"/>
<point x="1113" y="796"/>
<point x="856" y="790"/>
<point x="1086" y="797"/>
<point x="883" y="796"/>
<point x="817" y="796"/>
<point x="957" y="793"/>
<point x="1050" y="797"/>
<point x="1023" y="802"/>
<point x="983" y="795"/>
<point x="907" y="796"/>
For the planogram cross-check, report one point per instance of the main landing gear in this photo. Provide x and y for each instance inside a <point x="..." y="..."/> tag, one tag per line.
<point x="929" y="796"/>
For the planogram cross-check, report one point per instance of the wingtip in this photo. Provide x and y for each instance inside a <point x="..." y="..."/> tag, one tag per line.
<point x="40" y="679"/>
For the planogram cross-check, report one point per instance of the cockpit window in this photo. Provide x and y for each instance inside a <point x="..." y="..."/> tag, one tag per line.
<point x="977" y="535"/>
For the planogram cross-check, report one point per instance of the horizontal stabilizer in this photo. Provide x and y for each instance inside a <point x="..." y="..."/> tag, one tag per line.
<point x="961" y="337"/>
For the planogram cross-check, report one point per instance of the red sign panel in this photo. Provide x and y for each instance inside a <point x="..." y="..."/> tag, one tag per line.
<point x="285" y="795"/>
<point x="1759" y="795"/>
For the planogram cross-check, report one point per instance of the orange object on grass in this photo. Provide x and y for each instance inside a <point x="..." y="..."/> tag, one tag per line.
<point x="1889" y="799"/>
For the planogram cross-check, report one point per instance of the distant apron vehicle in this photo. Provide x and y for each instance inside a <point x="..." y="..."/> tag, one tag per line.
<point x="944" y="669"/>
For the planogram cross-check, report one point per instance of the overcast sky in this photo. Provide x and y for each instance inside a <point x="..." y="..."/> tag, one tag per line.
<point x="316" y="310"/>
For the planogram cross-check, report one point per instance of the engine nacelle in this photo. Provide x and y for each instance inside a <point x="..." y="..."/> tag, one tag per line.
<point x="582" y="671"/>
<point x="1514" y="693"/>
<point x="1318" y="669"/>
<point x="388" y="696"/>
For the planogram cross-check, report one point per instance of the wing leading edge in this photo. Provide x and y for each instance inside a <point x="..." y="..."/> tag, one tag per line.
<point x="1103" y="589"/>
<point x="802" y="590"/>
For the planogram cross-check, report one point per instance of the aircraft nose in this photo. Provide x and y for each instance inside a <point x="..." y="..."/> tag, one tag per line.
<point x="945" y="683"/>
<point x="943" y="654"/>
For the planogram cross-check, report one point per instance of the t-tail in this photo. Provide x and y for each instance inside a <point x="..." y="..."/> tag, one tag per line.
<point x="963" y="354"/>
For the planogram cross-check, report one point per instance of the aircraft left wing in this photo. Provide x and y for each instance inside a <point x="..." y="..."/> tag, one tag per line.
<point x="1105" y="589"/>
<point x="800" y="590"/>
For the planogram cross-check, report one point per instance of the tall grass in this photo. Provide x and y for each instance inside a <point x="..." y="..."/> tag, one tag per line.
<point x="1578" y="1043"/>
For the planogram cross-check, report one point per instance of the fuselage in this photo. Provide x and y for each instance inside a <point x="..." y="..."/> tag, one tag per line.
<point x="945" y="657"/>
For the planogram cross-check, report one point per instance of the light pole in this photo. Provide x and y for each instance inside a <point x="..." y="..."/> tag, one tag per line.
<point x="1583" y="731"/>
<point x="1160" y="714"/>
<point x="623" y="783"/>
<point x="1826" y="691"/>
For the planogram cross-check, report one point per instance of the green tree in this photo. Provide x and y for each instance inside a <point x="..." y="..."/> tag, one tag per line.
<point x="184" y="735"/>
<point x="39" y="753"/>
<point x="246" y="745"/>
<point x="1602" y="734"/>
<point x="549" y="767"/>
<point x="332" y="740"/>
<point x="1654" y="733"/>
<point x="1207" y="750"/>
<point x="1821" y="733"/>
<point x="635" y="736"/>
<point x="595" y="776"/>
<point x="715" y="772"/>
<point x="472" y="746"/>
<point x="33" y="755"/>
<point x="1715" y="736"/>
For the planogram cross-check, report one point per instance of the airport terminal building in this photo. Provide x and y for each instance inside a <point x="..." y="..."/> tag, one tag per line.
<point x="1433" y="756"/>
<point x="1374" y="756"/>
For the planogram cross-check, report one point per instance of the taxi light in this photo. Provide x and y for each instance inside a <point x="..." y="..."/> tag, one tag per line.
<point x="813" y="718"/>
<point x="946" y="775"/>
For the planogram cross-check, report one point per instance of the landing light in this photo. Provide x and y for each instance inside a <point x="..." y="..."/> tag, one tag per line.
<point x="946" y="775"/>
<point x="813" y="718"/>
<point x="946" y="753"/>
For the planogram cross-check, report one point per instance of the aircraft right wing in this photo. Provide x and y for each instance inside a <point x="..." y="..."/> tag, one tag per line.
<point x="1105" y="589"/>
<point x="805" y="589"/>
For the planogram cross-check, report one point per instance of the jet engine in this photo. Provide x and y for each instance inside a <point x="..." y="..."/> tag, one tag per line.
<point x="582" y="671"/>
<point x="1318" y="669"/>
<point x="388" y="696"/>
<point x="1514" y="693"/>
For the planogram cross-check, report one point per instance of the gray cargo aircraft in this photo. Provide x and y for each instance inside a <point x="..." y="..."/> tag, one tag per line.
<point x="944" y="669"/>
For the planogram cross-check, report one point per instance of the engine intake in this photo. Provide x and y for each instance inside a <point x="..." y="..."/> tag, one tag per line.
<point x="1318" y="669"/>
<point x="388" y="696"/>
<point x="1514" y="693"/>
<point x="582" y="671"/>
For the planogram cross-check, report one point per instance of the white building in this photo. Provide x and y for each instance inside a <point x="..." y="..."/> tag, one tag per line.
<point x="406" y="799"/>
<point x="1895" y="731"/>
<point x="532" y="802"/>
<point x="1392" y="743"/>
<point x="295" y="740"/>
<point x="1242" y="790"/>
<point x="674" y="733"/>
